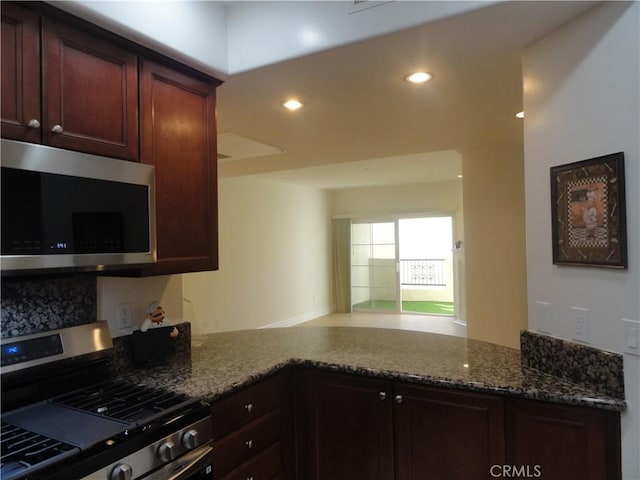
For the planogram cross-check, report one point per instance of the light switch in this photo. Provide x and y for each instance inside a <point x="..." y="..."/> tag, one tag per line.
<point x="631" y="341"/>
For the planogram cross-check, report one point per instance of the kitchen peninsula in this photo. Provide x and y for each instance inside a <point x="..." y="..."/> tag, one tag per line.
<point x="399" y="398"/>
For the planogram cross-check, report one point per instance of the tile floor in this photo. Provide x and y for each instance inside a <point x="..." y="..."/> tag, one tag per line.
<point x="422" y="323"/>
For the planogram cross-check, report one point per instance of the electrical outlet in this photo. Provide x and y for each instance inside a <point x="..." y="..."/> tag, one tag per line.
<point x="123" y="316"/>
<point x="580" y="321"/>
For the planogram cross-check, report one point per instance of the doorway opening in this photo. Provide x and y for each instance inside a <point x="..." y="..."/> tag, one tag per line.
<point x="403" y="265"/>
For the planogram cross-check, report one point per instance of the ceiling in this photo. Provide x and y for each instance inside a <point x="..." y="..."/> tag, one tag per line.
<point x="363" y="125"/>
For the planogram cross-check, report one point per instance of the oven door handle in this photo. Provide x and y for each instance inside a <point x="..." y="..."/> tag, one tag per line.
<point x="184" y="467"/>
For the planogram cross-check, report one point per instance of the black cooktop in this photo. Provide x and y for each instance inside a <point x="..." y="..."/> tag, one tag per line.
<point x="124" y="402"/>
<point x="24" y="450"/>
<point x="42" y="433"/>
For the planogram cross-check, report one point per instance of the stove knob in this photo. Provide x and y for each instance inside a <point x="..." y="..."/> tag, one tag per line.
<point x="167" y="451"/>
<point x="190" y="439"/>
<point x="121" y="471"/>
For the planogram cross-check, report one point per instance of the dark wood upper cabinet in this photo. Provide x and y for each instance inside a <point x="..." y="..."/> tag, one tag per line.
<point x="20" y="57"/>
<point x="69" y="84"/>
<point x="90" y="93"/>
<point x="447" y="434"/>
<point x="178" y="137"/>
<point x="79" y="92"/>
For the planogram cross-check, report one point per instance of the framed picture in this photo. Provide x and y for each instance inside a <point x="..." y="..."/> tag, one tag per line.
<point x="588" y="213"/>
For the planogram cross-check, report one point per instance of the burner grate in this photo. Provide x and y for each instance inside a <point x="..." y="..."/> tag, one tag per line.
<point x="123" y="401"/>
<point x="22" y="449"/>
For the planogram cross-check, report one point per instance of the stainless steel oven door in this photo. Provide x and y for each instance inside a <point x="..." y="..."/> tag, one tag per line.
<point x="195" y="465"/>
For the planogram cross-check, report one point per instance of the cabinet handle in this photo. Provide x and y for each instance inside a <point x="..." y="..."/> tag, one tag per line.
<point x="249" y="444"/>
<point x="249" y="407"/>
<point x="57" y="129"/>
<point x="33" y="123"/>
<point x="398" y="398"/>
<point x="382" y="395"/>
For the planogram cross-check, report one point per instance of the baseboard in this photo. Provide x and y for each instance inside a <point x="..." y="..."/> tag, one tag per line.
<point x="460" y="322"/>
<point x="305" y="317"/>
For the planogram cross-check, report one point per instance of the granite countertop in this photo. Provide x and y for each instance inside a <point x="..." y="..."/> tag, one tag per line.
<point x="221" y="363"/>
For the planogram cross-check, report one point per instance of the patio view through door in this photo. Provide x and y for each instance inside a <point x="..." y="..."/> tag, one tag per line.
<point x="374" y="283"/>
<point x="402" y="265"/>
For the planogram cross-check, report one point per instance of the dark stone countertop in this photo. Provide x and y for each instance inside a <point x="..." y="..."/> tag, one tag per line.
<point x="222" y="363"/>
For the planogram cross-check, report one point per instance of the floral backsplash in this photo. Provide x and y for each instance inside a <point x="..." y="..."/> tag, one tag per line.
<point x="42" y="304"/>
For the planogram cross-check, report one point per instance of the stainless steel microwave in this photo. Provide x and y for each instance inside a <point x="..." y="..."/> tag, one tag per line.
<point x="69" y="210"/>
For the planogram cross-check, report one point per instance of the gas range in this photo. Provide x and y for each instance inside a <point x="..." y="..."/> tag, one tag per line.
<point x="92" y="427"/>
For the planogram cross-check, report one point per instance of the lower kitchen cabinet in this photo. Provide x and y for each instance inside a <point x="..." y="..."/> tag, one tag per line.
<point x="356" y="427"/>
<point x="345" y="427"/>
<point x="563" y="442"/>
<point x="349" y="426"/>
<point x="253" y="432"/>
<point x="446" y="434"/>
<point x="267" y="465"/>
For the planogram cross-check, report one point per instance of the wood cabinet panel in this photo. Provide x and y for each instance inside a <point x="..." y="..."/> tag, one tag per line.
<point x="444" y="434"/>
<point x="268" y="465"/>
<point x="346" y="427"/>
<point x="253" y="432"/>
<point x="567" y="442"/>
<point x="242" y="445"/>
<point x="89" y="90"/>
<point x="247" y="405"/>
<point x="179" y="139"/>
<point x="20" y="63"/>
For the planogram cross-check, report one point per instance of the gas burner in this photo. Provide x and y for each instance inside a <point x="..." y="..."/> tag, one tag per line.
<point x="124" y="401"/>
<point x="24" y="452"/>
<point x="92" y="427"/>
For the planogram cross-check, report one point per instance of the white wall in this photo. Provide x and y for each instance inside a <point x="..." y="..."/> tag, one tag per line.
<point x="495" y="253"/>
<point x="192" y="32"/>
<point x="427" y="198"/>
<point x="228" y="37"/>
<point x="582" y="100"/>
<point x="275" y="259"/>
<point x="138" y="293"/>
<point x="297" y="28"/>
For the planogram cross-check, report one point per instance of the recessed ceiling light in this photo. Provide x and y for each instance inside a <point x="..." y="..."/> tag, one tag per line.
<point x="418" y="77"/>
<point x="520" y="114"/>
<point x="460" y="176"/>
<point x="292" y="104"/>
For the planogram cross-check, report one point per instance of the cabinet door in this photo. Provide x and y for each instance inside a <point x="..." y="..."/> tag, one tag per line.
<point x="20" y="54"/>
<point x="267" y="465"/>
<point x="179" y="137"/>
<point x="242" y="446"/>
<point x="253" y="431"/>
<point x="445" y="434"/>
<point x="90" y="93"/>
<point x="346" y="427"/>
<point x="567" y="442"/>
<point x="246" y="406"/>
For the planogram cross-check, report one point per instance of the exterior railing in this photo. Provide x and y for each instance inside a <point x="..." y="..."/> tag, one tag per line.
<point x="429" y="271"/>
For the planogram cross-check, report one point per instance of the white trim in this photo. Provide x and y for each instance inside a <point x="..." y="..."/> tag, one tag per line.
<point x="293" y="321"/>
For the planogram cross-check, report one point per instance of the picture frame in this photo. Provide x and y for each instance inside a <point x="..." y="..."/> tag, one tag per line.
<point x="588" y="212"/>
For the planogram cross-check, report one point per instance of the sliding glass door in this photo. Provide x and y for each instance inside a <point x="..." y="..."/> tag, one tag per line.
<point x="374" y="275"/>
<point x="402" y="265"/>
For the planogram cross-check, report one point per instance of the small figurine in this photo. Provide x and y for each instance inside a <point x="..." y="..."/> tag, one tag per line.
<point x="155" y="318"/>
